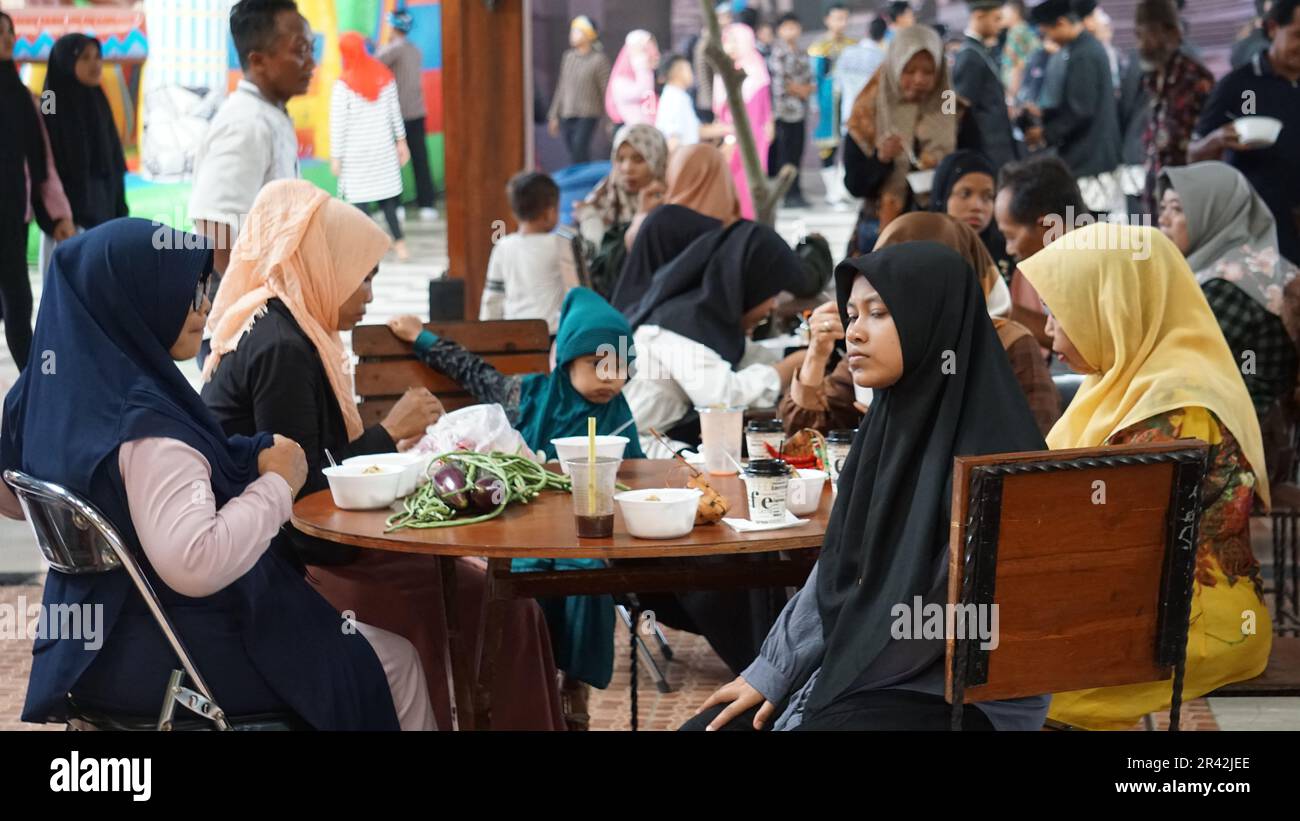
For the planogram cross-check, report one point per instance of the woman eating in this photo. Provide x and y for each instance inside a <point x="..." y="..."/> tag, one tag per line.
<point x="1158" y="370"/>
<point x="691" y="329"/>
<point x="830" y="663"/>
<point x="898" y="125"/>
<point x="119" y="425"/>
<point x="300" y="276"/>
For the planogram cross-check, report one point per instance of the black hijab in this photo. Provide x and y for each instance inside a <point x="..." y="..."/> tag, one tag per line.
<point x="665" y="233"/>
<point x="83" y="134"/>
<point x="887" y="538"/>
<point x="21" y="141"/>
<point x="951" y="169"/>
<point x="705" y="290"/>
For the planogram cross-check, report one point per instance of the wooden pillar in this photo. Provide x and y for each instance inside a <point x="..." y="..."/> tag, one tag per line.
<point x="484" y="98"/>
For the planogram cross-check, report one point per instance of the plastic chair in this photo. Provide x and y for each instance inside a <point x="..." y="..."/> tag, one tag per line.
<point x="76" y="539"/>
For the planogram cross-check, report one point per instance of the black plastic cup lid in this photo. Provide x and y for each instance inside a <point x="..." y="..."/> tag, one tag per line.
<point x="767" y="467"/>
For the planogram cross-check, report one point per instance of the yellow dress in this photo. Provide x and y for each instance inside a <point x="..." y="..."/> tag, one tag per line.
<point x="1230" y="634"/>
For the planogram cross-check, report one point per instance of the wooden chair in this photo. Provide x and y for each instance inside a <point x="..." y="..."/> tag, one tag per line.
<point x="387" y="366"/>
<point x="1088" y="555"/>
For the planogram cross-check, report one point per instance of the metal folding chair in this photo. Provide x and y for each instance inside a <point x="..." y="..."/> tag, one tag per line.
<point x="76" y="539"/>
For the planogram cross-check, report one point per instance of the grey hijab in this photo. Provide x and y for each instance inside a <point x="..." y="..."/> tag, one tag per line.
<point x="1231" y="231"/>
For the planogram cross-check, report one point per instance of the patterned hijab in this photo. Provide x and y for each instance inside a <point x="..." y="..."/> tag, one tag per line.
<point x="611" y="199"/>
<point x="1232" y="232"/>
<point x="881" y="110"/>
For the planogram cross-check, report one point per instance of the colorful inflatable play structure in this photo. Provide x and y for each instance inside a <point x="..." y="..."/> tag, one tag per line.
<point x="170" y="63"/>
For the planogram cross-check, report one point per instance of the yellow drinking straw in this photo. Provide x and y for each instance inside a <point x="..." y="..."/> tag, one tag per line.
<point x="591" y="466"/>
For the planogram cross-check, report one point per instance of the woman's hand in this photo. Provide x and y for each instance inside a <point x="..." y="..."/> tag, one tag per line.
<point x="286" y="458"/>
<point x="64" y="229"/>
<point x="415" y="411"/>
<point x="651" y="197"/>
<point x="553" y="127"/>
<point x="739" y="696"/>
<point x="406" y="328"/>
<point x="403" y="153"/>
<point x="827" y="328"/>
<point x="889" y="148"/>
<point x="336" y="167"/>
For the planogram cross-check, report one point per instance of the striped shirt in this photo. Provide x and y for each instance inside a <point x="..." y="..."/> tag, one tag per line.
<point x="363" y="138"/>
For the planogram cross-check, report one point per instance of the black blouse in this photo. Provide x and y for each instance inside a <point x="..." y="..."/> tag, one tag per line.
<point x="274" y="381"/>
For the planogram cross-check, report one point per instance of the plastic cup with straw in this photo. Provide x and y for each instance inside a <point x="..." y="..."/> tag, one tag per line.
<point x="594" y="480"/>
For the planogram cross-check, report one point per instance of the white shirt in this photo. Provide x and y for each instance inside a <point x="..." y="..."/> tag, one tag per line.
<point x="250" y="142"/>
<point x="675" y="374"/>
<point x="677" y="117"/>
<point x="528" y="276"/>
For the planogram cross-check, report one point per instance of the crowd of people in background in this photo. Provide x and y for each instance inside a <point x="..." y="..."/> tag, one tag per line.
<point x="1027" y="197"/>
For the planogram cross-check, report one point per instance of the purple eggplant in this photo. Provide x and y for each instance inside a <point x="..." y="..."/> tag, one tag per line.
<point x="451" y="485"/>
<point x="486" y="495"/>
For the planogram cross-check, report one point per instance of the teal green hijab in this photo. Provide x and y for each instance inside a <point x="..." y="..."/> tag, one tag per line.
<point x="549" y="405"/>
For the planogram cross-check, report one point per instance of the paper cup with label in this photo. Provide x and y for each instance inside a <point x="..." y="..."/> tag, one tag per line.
<point x="767" y="483"/>
<point x="838" y="444"/>
<point x="760" y="434"/>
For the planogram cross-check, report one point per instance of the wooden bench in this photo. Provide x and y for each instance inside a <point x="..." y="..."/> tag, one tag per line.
<point x="1090" y="590"/>
<point x="387" y="366"/>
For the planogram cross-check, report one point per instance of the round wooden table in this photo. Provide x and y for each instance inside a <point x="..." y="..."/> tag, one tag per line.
<point x="544" y="529"/>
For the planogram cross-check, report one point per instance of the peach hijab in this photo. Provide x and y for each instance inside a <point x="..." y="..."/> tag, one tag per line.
<point x="699" y="179"/>
<point x="311" y="252"/>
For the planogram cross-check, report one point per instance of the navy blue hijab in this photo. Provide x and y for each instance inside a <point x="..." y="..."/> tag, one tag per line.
<point x="101" y="374"/>
<point x="115" y="301"/>
<point x="111" y="309"/>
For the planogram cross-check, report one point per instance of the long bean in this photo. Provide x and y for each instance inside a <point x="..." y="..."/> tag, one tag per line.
<point x="524" y="480"/>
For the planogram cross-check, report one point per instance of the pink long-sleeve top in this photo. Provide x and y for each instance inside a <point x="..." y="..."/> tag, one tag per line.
<point x="52" y="195"/>
<point x="196" y="549"/>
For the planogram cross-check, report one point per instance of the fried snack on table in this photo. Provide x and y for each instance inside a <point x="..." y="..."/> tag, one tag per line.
<point x="713" y="505"/>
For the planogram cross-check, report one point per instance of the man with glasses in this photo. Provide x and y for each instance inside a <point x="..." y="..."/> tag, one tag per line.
<point x="251" y="140"/>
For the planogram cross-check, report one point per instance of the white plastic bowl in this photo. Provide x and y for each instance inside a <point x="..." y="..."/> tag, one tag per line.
<point x="921" y="182"/>
<point x="353" y="489"/>
<point x="805" y="493"/>
<point x="575" y="447"/>
<point x="1256" y="130"/>
<point x="671" y="516"/>
<point x="412" y="465"/>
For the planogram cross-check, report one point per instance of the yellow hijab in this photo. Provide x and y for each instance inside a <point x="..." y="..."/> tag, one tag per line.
<point x="310" y="251"/>
<point x="1129" y="303"/>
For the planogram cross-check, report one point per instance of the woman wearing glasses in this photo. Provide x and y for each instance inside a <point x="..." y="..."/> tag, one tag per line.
<point x="108" y="415"/>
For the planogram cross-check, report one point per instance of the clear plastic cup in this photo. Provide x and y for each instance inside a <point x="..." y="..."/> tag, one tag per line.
<point x="593" y="514"/>
<point x="721" y="434"/>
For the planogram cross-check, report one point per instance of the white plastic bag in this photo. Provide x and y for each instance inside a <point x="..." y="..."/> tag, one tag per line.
<point x="479" y="428"/>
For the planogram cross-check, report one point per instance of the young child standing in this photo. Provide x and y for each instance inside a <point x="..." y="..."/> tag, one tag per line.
<point x="530" y="270"/>
<point x="587" y="381"/>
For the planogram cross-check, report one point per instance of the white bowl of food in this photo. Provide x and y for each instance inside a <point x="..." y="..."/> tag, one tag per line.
<point x="804" y="495"/>
<point x="1257" y="130"/>
<point x="921" y="182"/>
<point x="366" y="485"/>
<point x="575" y="447"/>
<point x="412" y="465"/>
<point x="659" y="513"/>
